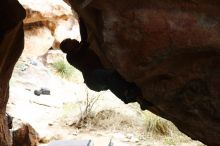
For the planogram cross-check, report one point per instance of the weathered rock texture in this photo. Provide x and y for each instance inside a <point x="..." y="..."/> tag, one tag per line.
<point x="171" y="49"/>
<point x="48" y="22"/>
<point x="25" y="136"/>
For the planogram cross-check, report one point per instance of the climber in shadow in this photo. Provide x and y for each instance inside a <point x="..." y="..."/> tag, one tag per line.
<point x="96" y="77"/>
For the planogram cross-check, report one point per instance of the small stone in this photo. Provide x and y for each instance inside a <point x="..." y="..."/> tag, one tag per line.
<point x="25" y="136"/>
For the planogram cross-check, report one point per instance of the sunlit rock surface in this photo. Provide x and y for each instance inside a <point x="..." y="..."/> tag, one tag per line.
<point x="47" y="23"/>
<point x="37" y="41"/>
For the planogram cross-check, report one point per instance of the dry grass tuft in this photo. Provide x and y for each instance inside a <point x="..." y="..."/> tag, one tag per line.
<point x="157" y="125"/>
<point x="110" y="119"/>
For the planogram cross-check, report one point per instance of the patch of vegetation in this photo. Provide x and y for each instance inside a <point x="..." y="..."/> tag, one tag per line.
<point x="87" y="110"/>
<point x="63" y="69"/>
<point x="110" y="119"/>
<point x="105" y="119"/>
<point x="157" y="125"/>
<point x="156" y="128"/>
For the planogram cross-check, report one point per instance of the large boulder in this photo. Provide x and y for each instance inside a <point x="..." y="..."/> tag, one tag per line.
<point x="170" y="49"/>
<point x="34" y="37"/>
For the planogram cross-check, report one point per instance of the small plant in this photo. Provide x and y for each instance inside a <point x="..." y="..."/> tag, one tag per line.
<point x="87" y="110"/>
<point x="63" y="69"/>
<point x="111" y="119"/>
<point x="163" y="129"/>
<point x="157" y="125"/>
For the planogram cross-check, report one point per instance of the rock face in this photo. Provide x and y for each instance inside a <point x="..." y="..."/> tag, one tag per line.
<point x="171" y="49"/>
<point x="36" y="36"/>
<point x="11" y="46"/>
<point x="47" y="23"/>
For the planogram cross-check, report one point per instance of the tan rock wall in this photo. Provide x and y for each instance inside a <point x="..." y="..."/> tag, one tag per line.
<point x="47" y="23"/>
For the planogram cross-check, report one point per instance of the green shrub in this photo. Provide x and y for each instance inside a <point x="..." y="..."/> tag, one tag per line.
<point x="63" y="69"/>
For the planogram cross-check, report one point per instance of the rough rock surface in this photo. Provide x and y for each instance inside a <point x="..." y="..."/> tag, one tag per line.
<point x="33" y="38"/>
<point x="25" y="136"/>
<point x="11" y="46"/>
<point x="47" y="23"/>
<point x="171" y="49"/>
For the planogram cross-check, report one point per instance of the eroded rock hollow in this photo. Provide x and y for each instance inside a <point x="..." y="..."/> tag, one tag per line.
<point x="169" y="48"/>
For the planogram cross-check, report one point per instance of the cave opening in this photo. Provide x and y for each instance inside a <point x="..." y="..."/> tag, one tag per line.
<point x="44" y="87"/>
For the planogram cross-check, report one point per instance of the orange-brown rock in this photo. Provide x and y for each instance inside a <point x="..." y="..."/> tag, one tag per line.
<point x="25" y="136"/>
